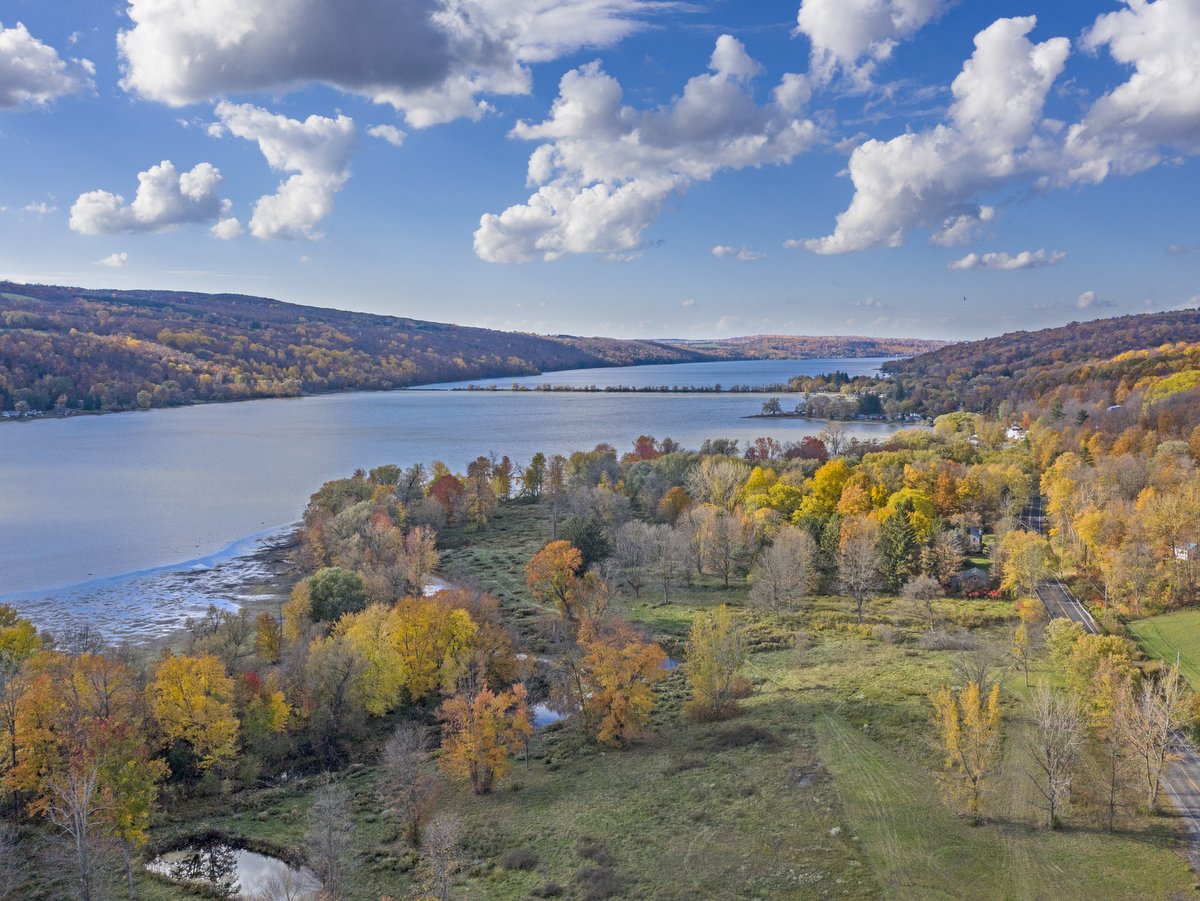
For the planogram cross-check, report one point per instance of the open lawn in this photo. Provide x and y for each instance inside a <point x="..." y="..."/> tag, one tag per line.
<point x="1170" y="635"/>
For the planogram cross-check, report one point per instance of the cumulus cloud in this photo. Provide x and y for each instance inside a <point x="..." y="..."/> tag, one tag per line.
<point x="39" y="208"/>
<point x="743" y="255"/>
<point x="1026" y="259"/>
<point x="165" y="199"/>
<point x="604" y="169"/>
<point x="856" y="35"/>
<point x="389" y="133"/>
<point x="33" y="73"/>
<point x="317" y="150"/>
<point x="226" y="228"/>
<point x="1157" y="107"/>
<point x="114" y="261"/>
<point x="1085" y="300"/>
<point x="930" y="178"/>
<point x="430" y="59"/>
<point x="963" y="228"/>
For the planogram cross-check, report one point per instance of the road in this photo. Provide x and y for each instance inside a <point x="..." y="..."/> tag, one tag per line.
<point x="1181" y="782"/>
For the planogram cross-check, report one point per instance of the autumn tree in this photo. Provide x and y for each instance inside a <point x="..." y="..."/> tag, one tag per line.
<point x="1026" y="562"/>
<point x="716" y="652"/>
<point x="619" y="671"/>
<point x="191" y="698"/>
<point x="1054" y="748"/>
<point x="968" y="725"/>
<point x="858" y="559"/>
<point x="440" y="856"/>
<point x="329" y="841"/>
<point x="420" y="557"/>
<point x="334" y="591"/>
<point x="727" y="544"/>
<point x="480" y="734"/>
<point x="785" y="572"/>
<point x="552" y="577"/>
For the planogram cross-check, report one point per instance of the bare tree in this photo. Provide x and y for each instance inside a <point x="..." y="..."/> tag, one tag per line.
<point x="944" y="557"/>
<point x="859" y="560"/>
<point x="834" y="437"/>
<point x="668" y="556"/>
<point x="440" y="855"/>
<point x="1148" y="723"/>
<point x="14" y="860"/>
<point x="410" y="786"/>
<point x="1054" y="747"/>
<point x="288" y="885"/>
<point x="924" y="590"/>
<point x="785" y="571"/>
<point x="976" y="665"/>
<point x="717" y="481"/>
<point x="631" y="549"/>
<point x="727" y="544"/>
<point x="75" y="804"/>
<point x="329" y="839"/>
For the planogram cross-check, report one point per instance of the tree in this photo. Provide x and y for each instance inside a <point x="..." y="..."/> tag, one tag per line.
<point x="533" y="476"/>
<point x="192" y="700"/>
<point x="726" y="543"/>
<point x="772" y="407"/>
<point x="420" y="557"/>
<point x="668" y="554"/>
<point x="586" y="533"/>
<point x="1054" y="748"/>
<point x="898" y="548"/>
<point x="716" y="652"/>
<point x="410" y="788"/>
<point x="924" y="590"/>
<point x="552" y="577"/>
<point x="858" y="560"/>
<point x="785" y="573"/>
<point x="481" y="732"/>
<point x="334" y="591"/>
<point x="1148" y="724"/>
<point x="1026" y="562"/>
<point x="945" y="557"/>
<point x="619" y="671"/>
<point x="440" y="856"/>
<point x="329" y="840"/>
<point x="268" y="638"/>
<point x="332" y="684"/>
<point x="968" y="725"/>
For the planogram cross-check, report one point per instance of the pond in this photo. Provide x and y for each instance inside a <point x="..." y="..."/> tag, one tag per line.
<point x="236" y="871"/>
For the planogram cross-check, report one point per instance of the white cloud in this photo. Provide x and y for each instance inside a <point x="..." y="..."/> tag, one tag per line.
<point x="855" y="35"/>
<point x="114" y="261"/>
<point x="963" y="228"/>
<point x="226" y="228"/>
<point x="1085" y="300"/>
<point x="317" y="150"/>
<point x="605" y="169"/>
<point x="930" y="178"/>
<point x="33" y="73"/>
<point x="430" y="59"/>
<point x="1158" y="106"/>
<point x="743" y="255"/>
<point x="1026" y="259"/>
<point x="39" y="208"/>
<point x="165" y="199"/>
<point x="389" y="133"/>
<point x="690" y="302"/>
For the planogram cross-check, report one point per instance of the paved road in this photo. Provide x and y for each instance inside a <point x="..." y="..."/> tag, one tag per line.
<point x="1181" y="782"/>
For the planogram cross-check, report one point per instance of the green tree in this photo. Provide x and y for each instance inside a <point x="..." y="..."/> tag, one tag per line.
<point x="334" y="591"/>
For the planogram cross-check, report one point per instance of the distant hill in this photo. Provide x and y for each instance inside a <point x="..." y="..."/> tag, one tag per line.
<point x="84" y="349"/>
<point x="1156" y="355"/>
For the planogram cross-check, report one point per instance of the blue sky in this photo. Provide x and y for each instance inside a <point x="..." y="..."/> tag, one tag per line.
<point x="995" y="166"/>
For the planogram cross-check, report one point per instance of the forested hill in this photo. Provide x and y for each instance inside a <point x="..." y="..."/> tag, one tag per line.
<point x="1156" y="355"/>
<point x="81" y="349"/>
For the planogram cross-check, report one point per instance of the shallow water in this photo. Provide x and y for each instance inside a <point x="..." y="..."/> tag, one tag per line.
<point x="86" y="499"/>
<point x="241" y="873"/>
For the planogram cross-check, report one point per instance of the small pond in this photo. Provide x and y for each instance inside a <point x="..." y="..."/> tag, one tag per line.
<point x="544" y="716"/>
<point x="237" y="872"/>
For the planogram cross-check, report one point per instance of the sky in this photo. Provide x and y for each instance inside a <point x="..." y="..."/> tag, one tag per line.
<point x="632" y="168"/>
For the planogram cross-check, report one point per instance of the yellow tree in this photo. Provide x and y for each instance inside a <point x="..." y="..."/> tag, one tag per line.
<point x="480" y="734"/>
<point x="1027" y="559"/>
<point x="716" y="651"/>
<point x="192" y="700"/>
<point x="968" y="725"/>
<point x="552" y="577"/>
<point x="619" y="672"/>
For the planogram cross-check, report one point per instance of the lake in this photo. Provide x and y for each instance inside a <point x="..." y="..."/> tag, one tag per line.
<point x="87" y="499"/>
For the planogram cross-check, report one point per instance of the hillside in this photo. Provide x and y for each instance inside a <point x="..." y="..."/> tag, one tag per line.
<point x="82" y="349"/>
<point x="1154" y="355"/>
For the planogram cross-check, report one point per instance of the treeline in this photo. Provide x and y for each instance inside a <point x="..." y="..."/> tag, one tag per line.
<point x="71" y="349"/>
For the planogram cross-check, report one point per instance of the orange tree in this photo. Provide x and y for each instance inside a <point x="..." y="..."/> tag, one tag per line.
<point x="619" y="671"/>
<point x="481" y="732"/>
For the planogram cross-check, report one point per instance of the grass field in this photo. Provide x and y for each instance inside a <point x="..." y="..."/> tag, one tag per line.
<point x="1172" y="634"/>
<point x="825" y="785"/>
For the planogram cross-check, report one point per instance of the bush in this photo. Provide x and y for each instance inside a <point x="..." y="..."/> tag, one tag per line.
<point x="598" y="883"/>
<point x="519" y="859"/>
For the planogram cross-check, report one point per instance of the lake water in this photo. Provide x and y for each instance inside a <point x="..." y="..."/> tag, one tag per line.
<point x="87" y="499"/>
<point x="687" y="375"/>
